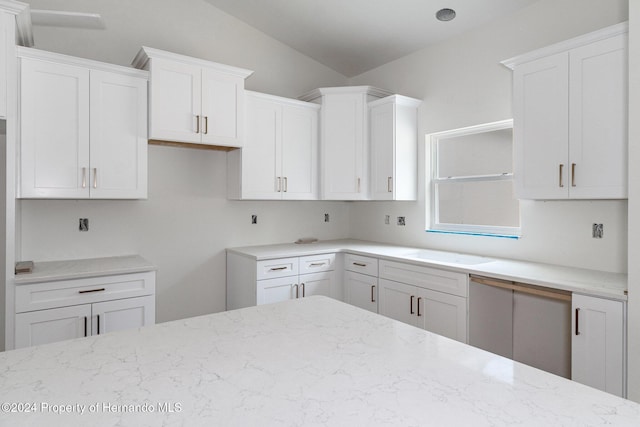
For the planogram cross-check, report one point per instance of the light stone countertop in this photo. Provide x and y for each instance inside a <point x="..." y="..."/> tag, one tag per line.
<point x="47" y="271"/>
<point x="580" y="280"/>
<point x="312" y="361"/>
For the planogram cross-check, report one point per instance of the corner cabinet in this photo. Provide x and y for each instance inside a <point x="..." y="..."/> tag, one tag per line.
<point x="598" y="343"/>
<point x="393" y="132"/>
<point x="82" y="128"/>
<point x="570" y="118"/>
<point x="55" y="311"/>
<point x="279" y="158"/>
<point x="251" y="282"/>
<point x="344" y="146"/>
<point x="192" y="100"/>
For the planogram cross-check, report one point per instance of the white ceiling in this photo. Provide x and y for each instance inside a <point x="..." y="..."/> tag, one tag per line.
<point x="354" y="36"/>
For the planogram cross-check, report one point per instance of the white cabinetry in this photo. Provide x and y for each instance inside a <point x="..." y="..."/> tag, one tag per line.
<point x="192" y="100"/>
<point x="54" y="311"/>
<point x="393" y="124"/>
<point x="361" y="282"/>
<point x="279" y="159"/>
<point x="598" y="343"/>
<point x="344" y="146"/>
<point x="433" y="299"/>
<point x="7" y="31"/>
<point x="251" y="282"/>
<point x="570" y="118"/>
<point x="82" y="128"/>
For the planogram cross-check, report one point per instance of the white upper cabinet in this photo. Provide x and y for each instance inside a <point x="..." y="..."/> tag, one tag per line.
<point x="344" y="144"/>
<point x="280" y="155"/>
<point x="82" y="128"/>
<point x="393" y="124"/>
<point x="570" y="118"/>
<point x="6" y="29"/>
<point x="192" y="100"/>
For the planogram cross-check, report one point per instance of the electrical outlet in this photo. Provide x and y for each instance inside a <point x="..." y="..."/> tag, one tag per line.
<point x="83" y="224"/>
<point x="597" y="231"/>
<point x="254" y="219"/>
<point x="401" y="220"/>
<point x="387" y="219"/>
<point x="326" y="217"/>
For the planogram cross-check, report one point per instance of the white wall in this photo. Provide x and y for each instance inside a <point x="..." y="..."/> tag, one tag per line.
<point x="634" y="204"/>
<point x="462" y="83"/>
<point x="187" y="222"/>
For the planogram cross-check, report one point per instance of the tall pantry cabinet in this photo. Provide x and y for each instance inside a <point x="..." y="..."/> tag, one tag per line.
<point x="570" y="118"/>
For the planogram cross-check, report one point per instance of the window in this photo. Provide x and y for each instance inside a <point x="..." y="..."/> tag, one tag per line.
<point x="472" y="189"/>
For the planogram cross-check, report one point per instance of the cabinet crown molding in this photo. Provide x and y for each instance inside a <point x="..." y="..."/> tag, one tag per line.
<point x="22" y="11"/>
<point x="146" y="53"/>
<point x="282" y="99"/>
<point x="365" y="90"/>
<point x="28" y="52"/>
<point x="563" y="46"/>
<point x="398" y="100"/>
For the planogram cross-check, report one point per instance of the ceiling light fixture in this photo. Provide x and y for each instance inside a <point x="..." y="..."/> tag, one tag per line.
<point x="445" y="14"/>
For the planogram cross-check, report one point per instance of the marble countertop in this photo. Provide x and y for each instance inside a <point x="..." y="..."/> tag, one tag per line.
<point x="312" y="361"/>
<point x="590" y="282"/>
<point x="47" y="271"/>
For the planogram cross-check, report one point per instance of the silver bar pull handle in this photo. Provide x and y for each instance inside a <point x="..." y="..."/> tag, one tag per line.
<point x="197" y="123"/>
<point x="359" y="264"/>
<point x="560" y="168"/>
<point x="206" y="125"/>
<point x="411" y="304"/>
<point x="316" y="264"/>
<point x="279" y="184"/>
<point x="373" y="289"/>
<point x="278" y="268"/>
<point x="302" y="286"/>
<point x="358" y="185"/>
<point x="419" y="299"/>
<point x="286" y="184"/>
<point x="92" y="290"/>
<point x="389" y="184"/>
<point x="297" y="291"/>
<point x="95" y="177"/>
<point x="573" y="174"/>
<point x="84" y="177"/>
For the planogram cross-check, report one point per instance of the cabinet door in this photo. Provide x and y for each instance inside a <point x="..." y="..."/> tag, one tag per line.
<point x="299" y="153"/>
<point x="315" y="284"/>
<point x="54" y="127"/>
<point x="597" y="346"/>
<point x="540" y="124"/>
<point x="343" y="147"/>
<point x="598" y="119"/>
<point x="6" y="28"/>
<point x="118" y="136"/>
<point x="442" y="314"/>
<point x="56" y="324"/>
<point x="222" y="109"/>
<point x="276" y="290"/>
<point x="123" y="314"/>
<point x="398" y="301"/>
<point x="361" y="290"/>
<point x="382" y="137"/>
<point x="261" y="155"/>
<point x="175" y="102"/>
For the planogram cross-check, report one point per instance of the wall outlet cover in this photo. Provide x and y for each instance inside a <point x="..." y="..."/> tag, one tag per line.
<point x="83" y="224"/>
<point x="401" y="220"/>
<point x="254" y="219"/>
<point x="597" y="231"/>
<point x="326" y="217"/>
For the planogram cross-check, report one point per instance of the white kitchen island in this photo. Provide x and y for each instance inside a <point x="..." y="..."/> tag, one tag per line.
<point x="307" y="362"/>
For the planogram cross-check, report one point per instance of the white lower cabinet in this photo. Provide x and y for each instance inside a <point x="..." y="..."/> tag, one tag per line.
<point x="361" y="290"/>
<point x="598" y="343"/>
<point x="55" y="311"/>
<point x="251" y="282"/>
<point x="432" y="299"/>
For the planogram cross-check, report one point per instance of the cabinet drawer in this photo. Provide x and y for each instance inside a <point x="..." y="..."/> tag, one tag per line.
<point x="272" y="268"/>
<point x="39" y="296"/>
<point x="425" y="277"/>
<point x="316" y="263"/>
<point x="361" y="264"/>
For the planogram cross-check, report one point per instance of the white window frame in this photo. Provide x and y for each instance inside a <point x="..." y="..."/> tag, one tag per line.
<point x="435" y="224"/>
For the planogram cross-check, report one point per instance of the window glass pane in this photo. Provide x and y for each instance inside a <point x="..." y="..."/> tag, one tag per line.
<point x="485" y="153"/>
<point x="489" y="203"/>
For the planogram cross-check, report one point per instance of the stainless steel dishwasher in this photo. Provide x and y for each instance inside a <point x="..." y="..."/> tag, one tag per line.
<point x="526" y="323"/>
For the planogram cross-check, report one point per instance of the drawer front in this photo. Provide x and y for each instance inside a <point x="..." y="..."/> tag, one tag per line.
<point x="317" y="263"/>
<point x="40" y="296"/>
<point x="273" y="268"/>
<point x="425" y="277"/>
<point x="361" y="264"/>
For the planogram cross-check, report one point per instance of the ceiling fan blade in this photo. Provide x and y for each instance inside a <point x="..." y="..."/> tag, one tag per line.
<point x="54" y="18"/>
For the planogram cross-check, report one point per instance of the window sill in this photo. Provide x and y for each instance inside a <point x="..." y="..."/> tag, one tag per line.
<point x="477" y="233"/>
